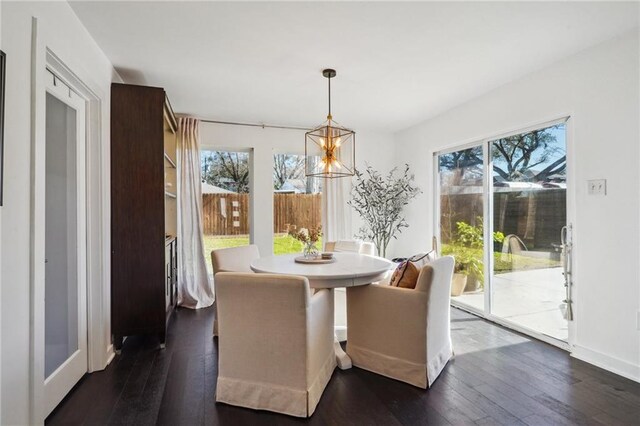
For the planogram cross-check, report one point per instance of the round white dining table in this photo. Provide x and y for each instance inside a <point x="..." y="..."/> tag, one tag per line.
<point x="348" y="270"/>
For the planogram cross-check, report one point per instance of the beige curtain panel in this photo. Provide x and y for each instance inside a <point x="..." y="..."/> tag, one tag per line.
<point x="194" y="287"/>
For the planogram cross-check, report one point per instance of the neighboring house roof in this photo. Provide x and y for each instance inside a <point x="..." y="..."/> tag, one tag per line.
<point x="212" y="189"/>
<point x="290" y="187"/>
<point x="293" y="186"/>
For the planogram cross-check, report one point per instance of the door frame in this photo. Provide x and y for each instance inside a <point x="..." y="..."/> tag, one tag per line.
<point x="99" y="347"/>
<point x="488" y="223"/>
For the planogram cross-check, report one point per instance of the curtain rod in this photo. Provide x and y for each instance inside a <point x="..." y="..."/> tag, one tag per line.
<point x="270" y="126"/>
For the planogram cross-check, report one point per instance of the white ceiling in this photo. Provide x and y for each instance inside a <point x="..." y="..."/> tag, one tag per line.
<point x="398" y="64"/>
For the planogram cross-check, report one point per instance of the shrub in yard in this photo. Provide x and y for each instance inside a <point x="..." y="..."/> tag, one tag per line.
<point x="467" y="249"/>
<point x="472" y="236"/>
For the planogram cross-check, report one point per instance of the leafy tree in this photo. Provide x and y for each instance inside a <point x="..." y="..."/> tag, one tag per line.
<point x="466" y="164"/>
<point x="516" y="156"/>
<point x="228" y="170"/>
<point x="380" y="201"/>
<point x="462" y="161"/>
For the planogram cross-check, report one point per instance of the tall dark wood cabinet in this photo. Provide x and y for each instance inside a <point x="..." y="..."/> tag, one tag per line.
<point x="143" y="212"/>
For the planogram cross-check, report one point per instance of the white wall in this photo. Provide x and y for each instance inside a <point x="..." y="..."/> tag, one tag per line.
<point x="371" y="147"/>
<point x="1" y="335"/>
<point x="599" y="89"/>
<point x="69" y="40"/>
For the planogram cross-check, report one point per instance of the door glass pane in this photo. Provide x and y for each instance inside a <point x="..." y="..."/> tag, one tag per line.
<point x="461" y="227"/>
<point x="297" y="202"/>
<point x="61" y="280"/>
<point x="529" y="211"/>
<point x="225" y="200"/>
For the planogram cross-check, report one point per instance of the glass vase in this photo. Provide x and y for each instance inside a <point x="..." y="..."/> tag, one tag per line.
<point x="310" y="251"/>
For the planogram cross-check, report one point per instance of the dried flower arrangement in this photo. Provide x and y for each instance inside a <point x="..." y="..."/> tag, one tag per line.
<point x="308" y="237"/>
<point x="305" y="236"/>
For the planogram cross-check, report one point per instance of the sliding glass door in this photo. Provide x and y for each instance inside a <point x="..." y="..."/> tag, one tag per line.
<point x="502" y="212"/>
<point x="461" y="223"/>
<point x="529" y="211"/>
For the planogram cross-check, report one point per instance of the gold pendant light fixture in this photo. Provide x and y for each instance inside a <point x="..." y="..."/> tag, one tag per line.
<point x="330" y="148"/>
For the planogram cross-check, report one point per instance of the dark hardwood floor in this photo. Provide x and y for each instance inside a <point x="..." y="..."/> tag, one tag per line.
<point x="496" y="377"/>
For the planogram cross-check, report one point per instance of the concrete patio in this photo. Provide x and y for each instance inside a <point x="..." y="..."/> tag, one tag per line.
<point x="531" y="299"/>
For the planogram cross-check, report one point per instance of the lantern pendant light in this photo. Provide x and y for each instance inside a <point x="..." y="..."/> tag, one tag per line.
<point x="330" y="148"/>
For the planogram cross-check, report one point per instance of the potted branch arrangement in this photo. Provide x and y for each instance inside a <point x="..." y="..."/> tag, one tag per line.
<point x="380" y="201"/>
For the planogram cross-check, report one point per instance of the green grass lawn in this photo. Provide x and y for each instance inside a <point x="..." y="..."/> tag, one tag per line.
<point x="503" y="263"/>
<point x="282" y="244"/>
<point x="213" y="242"/>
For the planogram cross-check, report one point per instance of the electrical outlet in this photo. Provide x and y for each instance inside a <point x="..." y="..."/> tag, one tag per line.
<point x="597" y="186"/>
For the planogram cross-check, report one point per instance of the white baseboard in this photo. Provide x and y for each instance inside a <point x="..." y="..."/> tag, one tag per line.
<point x="620" y="367"/>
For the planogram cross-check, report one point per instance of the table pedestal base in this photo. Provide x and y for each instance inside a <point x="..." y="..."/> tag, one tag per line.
<point x="343" y="360"/>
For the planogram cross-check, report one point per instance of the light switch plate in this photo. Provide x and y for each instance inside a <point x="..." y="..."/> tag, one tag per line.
<point x="597" y="186"/>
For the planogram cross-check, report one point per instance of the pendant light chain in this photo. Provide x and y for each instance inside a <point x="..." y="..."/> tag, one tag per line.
<point x="329" y="96"/>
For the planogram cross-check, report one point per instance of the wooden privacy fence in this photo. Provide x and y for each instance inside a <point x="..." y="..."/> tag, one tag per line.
<point x="301" y="210"/>
<point x="535" y="216"/>
<point x="228" y="214"/>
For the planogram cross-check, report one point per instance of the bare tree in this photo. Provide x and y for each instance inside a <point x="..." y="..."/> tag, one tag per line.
<point x="287" y="167"/>
<point x="228" y="170"/>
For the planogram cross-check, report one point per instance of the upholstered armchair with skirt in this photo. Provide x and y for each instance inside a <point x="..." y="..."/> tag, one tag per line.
<point x="276" y="342"/>
<point x="232" y="259"/>
<point x="403" y="333"/>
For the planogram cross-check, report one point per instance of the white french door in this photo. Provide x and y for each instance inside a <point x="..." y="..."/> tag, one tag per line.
<point x="65" y="304"/>
<point x="502" y="212"/>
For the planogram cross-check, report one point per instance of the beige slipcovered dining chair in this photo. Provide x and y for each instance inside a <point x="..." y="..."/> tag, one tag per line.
<point x="403" y="333"/>
<point x="232" y="259"/>
<point x="350" y="246"/>
<point x="353" y="246"/>
<point x="276" y="342"/>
